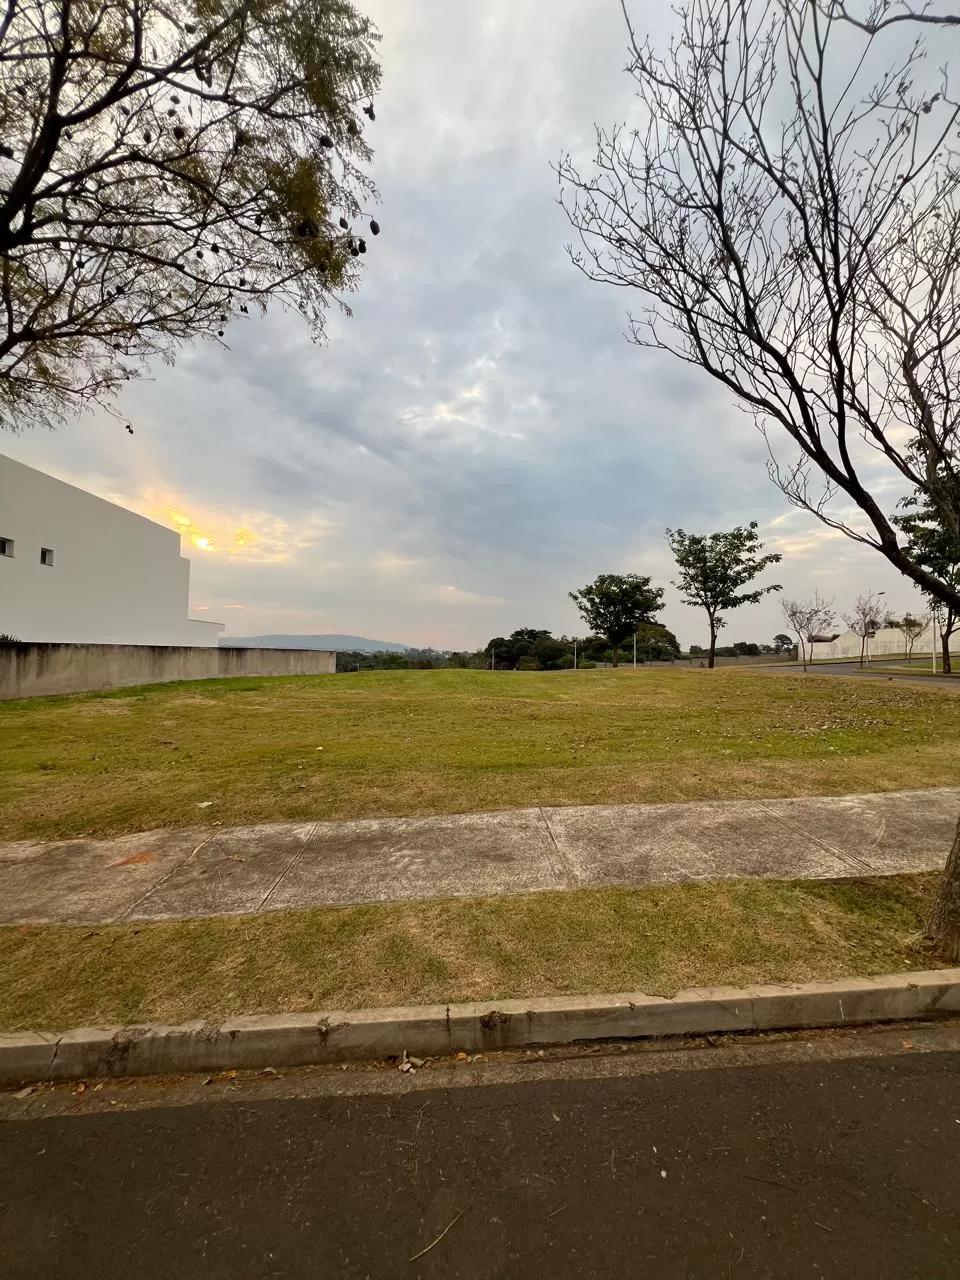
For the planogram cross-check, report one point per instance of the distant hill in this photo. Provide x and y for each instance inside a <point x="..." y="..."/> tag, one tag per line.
<point x="360" y="643"/>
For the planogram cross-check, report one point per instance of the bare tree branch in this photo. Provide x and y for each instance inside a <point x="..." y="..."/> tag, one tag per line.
<point x="791" y="217"/>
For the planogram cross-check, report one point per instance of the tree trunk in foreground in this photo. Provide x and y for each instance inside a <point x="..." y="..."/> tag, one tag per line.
<point x="943" y="925"/>
<point x="945" y="649"/>
<point x="711" y="660"/>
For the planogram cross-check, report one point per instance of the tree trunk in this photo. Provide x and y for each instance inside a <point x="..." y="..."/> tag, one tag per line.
<point x="616" y="656"/>
<point x="945" y="650"/>
<point x="711" y="660"/>
<point x="943" y="925"/>
<point x="863" y="645"/>
<point x="803" y="653"/>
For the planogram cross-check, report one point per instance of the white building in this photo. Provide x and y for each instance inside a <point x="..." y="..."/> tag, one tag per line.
<point x="887" y="642"/>
<point x="77" y="569"/>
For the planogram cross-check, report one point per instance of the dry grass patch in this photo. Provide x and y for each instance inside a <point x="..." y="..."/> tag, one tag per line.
<point x="657" y="939"/>
<point x="398" y="743"/>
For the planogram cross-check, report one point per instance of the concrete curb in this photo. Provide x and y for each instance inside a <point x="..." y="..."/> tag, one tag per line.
<point x="291" y="1040"/>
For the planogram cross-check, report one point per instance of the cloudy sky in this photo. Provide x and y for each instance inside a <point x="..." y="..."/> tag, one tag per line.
<point x="478" y="438"/>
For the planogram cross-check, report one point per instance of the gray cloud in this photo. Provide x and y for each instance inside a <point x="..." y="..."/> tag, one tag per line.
<point x="478" y="438"/>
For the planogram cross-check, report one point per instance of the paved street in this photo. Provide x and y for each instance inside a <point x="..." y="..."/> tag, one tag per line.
<point x="160" y="875"/>
<point x="893" y="670"/>
<point x="809" y="1164"/>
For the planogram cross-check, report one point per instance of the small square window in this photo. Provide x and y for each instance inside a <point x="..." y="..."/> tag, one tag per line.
<point x="46" y="555"/>
<point x="6" y="546"/>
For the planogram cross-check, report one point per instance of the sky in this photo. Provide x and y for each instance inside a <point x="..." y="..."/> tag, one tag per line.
<point x="478" y="438"/>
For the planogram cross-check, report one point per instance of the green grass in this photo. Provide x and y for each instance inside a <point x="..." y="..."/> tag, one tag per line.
<point x="456" y="741"/>
<point x="657" y="939"/>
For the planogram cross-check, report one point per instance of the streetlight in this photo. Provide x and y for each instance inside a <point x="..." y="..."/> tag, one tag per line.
<point x="934" y="625"/>
<point x="879" y="594"/>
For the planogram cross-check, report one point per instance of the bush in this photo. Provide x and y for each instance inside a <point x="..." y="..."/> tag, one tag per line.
<point x="566" y="662"/>
<point x="527" y="664"/>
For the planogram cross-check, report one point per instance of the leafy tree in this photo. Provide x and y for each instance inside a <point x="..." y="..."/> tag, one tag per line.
<point x="614" y="605"/>
<point x="595" y="649"/>
<point x="548" y="652"/>
<point x="506" y="651"/>
<point x="929" y="541"/>
<point x="165" y="168"/>
<point x="809" y="619"/>
<point x="656" y="644"/>
<point x="743" y="649"/>
<point x="714" y="568"/>
<point x="696" y="650"/>
<point x="911" y="629"/>
<point x="782" y="643"/>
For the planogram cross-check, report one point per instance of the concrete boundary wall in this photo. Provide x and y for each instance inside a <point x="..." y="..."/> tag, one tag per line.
<point x="33" y="670"/>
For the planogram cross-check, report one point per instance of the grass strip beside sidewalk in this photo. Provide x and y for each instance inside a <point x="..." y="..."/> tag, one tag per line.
<point x="657" y="939"/>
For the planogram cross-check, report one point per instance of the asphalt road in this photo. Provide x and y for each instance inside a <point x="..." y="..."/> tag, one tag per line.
<point x="871" y="672"/>
<point x="819" y="1168"/>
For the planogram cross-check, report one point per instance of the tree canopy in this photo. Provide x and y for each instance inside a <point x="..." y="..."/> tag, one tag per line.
<point x="165" y="167"/>
<point x="715" y="567"/>
<point x="614" y="605"/>
<point x="933" y="545"/>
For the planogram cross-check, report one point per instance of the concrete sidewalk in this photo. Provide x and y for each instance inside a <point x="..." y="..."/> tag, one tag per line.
<point x="161" y="875"/>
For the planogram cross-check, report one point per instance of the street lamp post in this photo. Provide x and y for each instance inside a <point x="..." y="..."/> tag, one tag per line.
<point x="879" y="594"/>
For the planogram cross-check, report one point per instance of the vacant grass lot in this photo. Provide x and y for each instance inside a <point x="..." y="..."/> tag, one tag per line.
<point x="658" y="939"/>
<point x="381" y="743"/>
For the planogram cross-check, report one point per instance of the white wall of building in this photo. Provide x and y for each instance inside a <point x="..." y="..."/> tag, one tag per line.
<point x="116" y="577"/>
<point x="887" y="642"/>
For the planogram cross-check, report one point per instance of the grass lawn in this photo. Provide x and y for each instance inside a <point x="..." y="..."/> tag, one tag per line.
<point x="658" y="939"/>
<point x="392" y="743"/>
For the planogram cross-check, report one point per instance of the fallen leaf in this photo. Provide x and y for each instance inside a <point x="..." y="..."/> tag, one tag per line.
<point x="135" y="859"/>
<point x="907" y="1044"/>
<point x="26" y="1092"/>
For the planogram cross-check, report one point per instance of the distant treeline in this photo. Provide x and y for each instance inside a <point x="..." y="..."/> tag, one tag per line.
<point x="531" y="649"/>
<point x="527" y="649"/>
